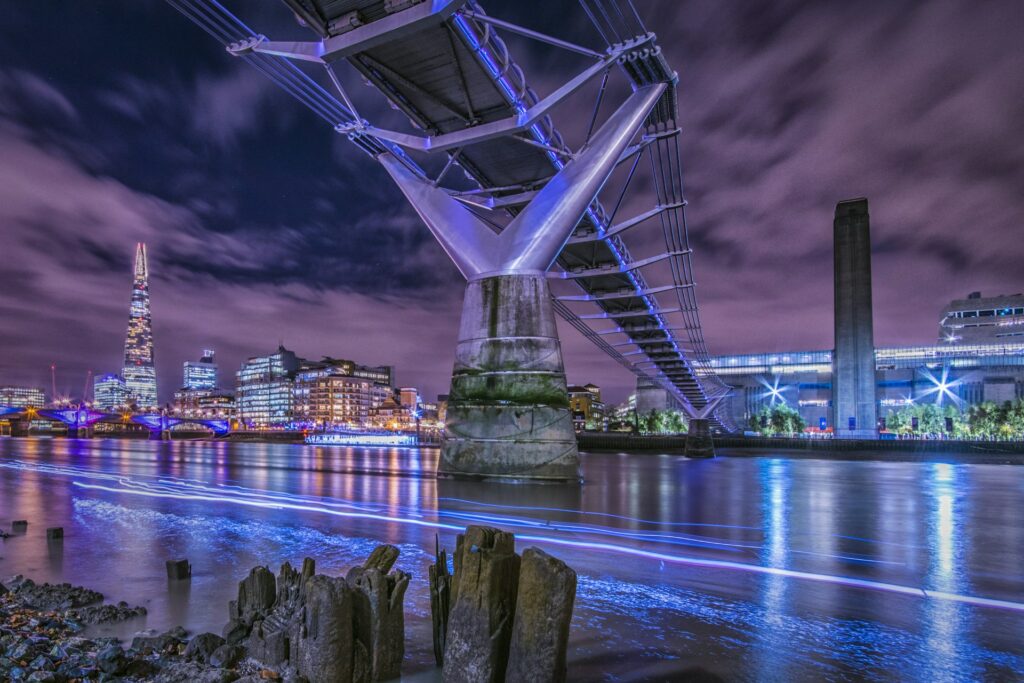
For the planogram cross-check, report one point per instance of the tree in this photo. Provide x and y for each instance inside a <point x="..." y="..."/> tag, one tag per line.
<point x="778" y="419"/>
<point x="931" y="419"/>
<point x="983" y="419"/>
<point x="1014" y="418"/>
<point x="663" y="422"/>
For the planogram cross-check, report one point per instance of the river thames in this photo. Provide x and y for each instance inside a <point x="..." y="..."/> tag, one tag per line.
<point x="754" y="568"/>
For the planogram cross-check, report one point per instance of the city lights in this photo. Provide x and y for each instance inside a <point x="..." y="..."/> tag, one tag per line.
<point x="774" y="392"/>
<point x="942" y="386"/>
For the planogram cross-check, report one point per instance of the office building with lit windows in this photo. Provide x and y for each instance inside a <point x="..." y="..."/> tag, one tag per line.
<point x="200" y="375"/>
<point x="391" y="415"/>
<point x="284" y="390"/>
<point x="199" y="395"/>
<point x="264" y="395"/>
<point x="328" y="395"/>
<point x="22" y="397"/>
<point x="983" y="320"/>
<point x="964" y="374"/>
<point x="204" y="403"/>
<point x="588" y="411"/>
<point x="110" y="392"/>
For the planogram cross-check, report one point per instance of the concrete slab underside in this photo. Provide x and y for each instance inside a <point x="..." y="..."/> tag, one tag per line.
<point x="508" y="410"/>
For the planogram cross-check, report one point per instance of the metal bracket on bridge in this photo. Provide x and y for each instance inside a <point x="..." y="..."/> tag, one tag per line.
<point x="712" y="404"/>
<point x="502" y="127"/>
<point x="535" y="237"/>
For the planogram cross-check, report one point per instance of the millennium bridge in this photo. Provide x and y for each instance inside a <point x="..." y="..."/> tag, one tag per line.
<point x="586" y="221"/>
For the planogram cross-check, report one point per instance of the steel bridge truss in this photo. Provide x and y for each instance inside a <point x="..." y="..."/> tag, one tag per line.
<point x="443" y="64"/>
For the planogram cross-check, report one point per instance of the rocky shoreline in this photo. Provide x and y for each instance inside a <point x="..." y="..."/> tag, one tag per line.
<point x="41" y="639"/>
<point x="499" y="617"/>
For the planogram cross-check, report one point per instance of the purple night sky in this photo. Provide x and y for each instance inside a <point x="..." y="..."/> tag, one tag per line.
<point x="129" y="124"/>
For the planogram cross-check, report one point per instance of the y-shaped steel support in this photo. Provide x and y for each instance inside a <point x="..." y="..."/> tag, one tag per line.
<point x="508" y="411"/>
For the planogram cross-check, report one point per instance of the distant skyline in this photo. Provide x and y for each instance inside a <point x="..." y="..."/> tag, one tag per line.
<point x="264" y="226"/>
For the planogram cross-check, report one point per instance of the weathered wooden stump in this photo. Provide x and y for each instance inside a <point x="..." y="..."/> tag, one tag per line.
<point x="483" y="606"/>
<point x="327" y="629"/>
<point x="178" y="570"/>
<point x="322" y="642"/>
<point x="256" y="595"/>
<point x="383" y="557"/>
<point x="440" y="600"/>
<point x="379" y="613"/>
<point x="540" y="632"/>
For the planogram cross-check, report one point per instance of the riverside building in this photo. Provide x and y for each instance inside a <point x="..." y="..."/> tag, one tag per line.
<point x="22" y="397"/>
<point x="110" y="392"/>
<point x="338" y="393"/>
<point x="283" y="390"/>
<point x="265" y="396"/>
<point x="200" y="375"/>
<point x="850" y="389"/>
<point x="200" y="395"/>
<point x="983" y="320"/>
<point x="962" y="374"/>
<point x="586" y="406"/>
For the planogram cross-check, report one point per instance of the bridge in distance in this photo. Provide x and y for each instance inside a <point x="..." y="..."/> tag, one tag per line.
<point x="586" y="221"/>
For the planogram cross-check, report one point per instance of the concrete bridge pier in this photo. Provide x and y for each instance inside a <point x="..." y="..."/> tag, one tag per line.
<point x="80" y="432"/>
<point x="20" y="427"/>
<point x="508" y="410"/>
<point x="699" y="443"/>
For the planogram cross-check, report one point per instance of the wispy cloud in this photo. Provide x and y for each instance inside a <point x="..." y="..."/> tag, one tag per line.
<point x="265" y="225"/>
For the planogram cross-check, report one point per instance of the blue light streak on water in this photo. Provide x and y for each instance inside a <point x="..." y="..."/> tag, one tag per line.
<point x="654" y="549"/>
<point x="601" y="601"/>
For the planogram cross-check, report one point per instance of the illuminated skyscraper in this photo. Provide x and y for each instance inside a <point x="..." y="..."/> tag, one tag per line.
<point x="139" y="371"/>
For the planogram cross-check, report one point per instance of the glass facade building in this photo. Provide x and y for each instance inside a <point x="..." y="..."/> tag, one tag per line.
<point x="265" y="394"/>
<point x="201" y="375"/>
<point x="284" y="390"/>
<point x="110" y="392"/>
<point x="139" y="370"/>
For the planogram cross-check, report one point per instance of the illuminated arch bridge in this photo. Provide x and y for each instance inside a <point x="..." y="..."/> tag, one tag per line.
<point x="83" y="418"/>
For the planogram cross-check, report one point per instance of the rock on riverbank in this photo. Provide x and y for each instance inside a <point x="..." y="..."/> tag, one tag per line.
<point x="46" y="645"/>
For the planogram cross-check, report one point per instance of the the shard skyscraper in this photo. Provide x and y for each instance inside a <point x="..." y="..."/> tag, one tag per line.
<point x="139" y="371"/>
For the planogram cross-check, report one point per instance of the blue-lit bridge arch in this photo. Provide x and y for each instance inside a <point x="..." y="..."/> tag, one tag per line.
<point x="84" y="418"/>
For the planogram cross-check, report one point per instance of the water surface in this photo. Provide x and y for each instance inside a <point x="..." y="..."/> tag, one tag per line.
<point x="753" y="568"/>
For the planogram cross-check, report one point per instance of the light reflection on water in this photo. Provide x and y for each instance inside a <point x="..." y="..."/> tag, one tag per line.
<point x="636" y="532"/>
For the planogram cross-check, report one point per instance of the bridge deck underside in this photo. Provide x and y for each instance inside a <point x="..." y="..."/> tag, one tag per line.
<point x="445" y="81"/>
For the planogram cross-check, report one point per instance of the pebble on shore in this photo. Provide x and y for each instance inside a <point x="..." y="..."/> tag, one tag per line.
<point x="41" y="640"/>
